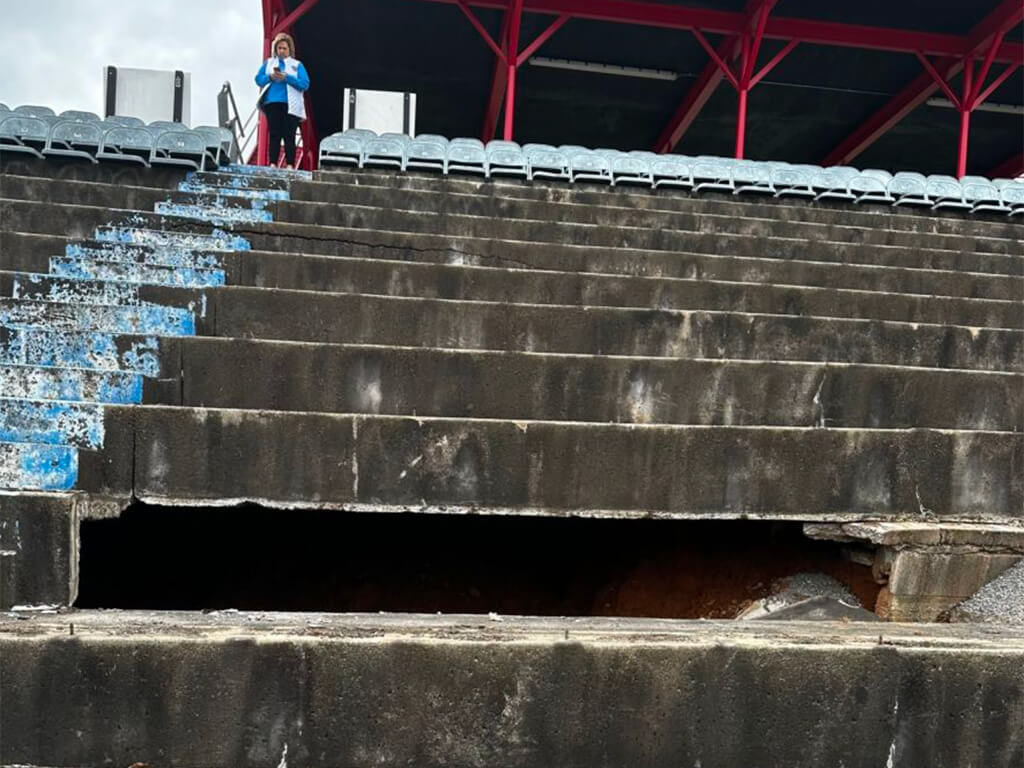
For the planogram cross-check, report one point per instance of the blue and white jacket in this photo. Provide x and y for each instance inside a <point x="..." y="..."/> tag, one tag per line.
<point x="289" y="90"/>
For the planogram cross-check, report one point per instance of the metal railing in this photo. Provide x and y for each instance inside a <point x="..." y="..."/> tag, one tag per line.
<point x="246" y="134"/>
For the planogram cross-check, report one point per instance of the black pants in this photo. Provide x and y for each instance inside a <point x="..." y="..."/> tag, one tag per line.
<point x="282" y="126"/>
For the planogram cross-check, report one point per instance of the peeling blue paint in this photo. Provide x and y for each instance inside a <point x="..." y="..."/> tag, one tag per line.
<point x="223" y="216"/>
<point x="43" y="383"/>
<point x="267" y="171"/>
<point x="143" y="254"/>
<point x="37" y="287"/>
<point x="181" y="277"/>
<point x="222" y="193"/>
<point x="51" y="422"/>
<point x="143" y="318"/>
<point x="218" y="240"/>
<point x="79" y="350"/>
<point x="32" y="467"/>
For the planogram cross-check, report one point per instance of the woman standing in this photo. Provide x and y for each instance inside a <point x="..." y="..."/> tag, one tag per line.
<point x="285" y="81"/>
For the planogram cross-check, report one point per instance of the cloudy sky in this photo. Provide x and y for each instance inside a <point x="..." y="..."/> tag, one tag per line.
<point x="66" y="44"/>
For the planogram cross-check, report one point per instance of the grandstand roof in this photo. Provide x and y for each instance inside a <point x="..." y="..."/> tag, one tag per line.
<point x="853" y="59"/>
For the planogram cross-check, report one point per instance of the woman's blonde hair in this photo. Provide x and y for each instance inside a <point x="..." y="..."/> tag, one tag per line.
<point x="286" y="38"/>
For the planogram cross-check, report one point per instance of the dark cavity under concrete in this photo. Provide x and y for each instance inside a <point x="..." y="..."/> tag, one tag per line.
<point x="253" y="558"/>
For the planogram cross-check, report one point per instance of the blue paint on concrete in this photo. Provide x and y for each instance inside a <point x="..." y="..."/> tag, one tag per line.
<point x="143" y="254"/>
<point x="63" y="349"/>
<point x="181" y="277"/>
<point x="44" y="467"/>
<point x="218" y="240"/>
<point x="73" y="384"/>
<point x="51" y="422"/>
<point x="221" y="216"/>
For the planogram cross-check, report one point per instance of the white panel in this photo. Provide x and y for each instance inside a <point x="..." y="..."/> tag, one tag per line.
<point x="149" y="94"/>
<point x="380" y="111"/>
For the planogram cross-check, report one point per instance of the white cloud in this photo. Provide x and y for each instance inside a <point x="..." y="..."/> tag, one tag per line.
<point x="59" y="48"/>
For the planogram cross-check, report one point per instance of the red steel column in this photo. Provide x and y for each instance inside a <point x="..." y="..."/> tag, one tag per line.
<point x="965" y="117"/>
<point x="516" y="12"/>
<point x="263" y="134"/>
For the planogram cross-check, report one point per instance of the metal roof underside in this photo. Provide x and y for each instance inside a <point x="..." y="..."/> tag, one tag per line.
<point x="807" y="105"/>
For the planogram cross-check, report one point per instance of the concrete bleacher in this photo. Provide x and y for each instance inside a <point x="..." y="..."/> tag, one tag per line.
<point x="382" y="342"/>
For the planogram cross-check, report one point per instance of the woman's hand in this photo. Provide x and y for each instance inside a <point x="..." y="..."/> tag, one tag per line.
<point x="277" y="76"/>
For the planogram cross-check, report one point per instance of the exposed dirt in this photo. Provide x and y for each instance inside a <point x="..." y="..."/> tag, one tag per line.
<point x="257" y="559"/>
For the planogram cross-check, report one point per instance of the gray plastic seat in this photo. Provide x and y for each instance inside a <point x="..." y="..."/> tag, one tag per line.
<point x="220" y="142"/>
<point x="712" y="173"/>
<point x="506" y="158"/>
<point x="124" y="121"/>
<point x="834" y="183"/>
<point x="587" y="165"/>
<point x="126" y="144"/>
<point x="946" y="192"/>
<point x="982" y="194"/>
<point x="168" y="125"/>
<point x="428" y="151"/>
<point x="751" y="176"/>
<point x="546" y="161"/>
<point x="179" y="148"/>
<point x="387" y="150"/>
<point x="672" y="171"/>
<point x="1012" y="194"/>
<point x="73" y="138"/>
<point x="795" y="180"/>
<point x="31" y="110"/>
<point x="468" y="155"/>
<point x="871" y="186"/>
<point x="23" y="135"/>
<point x="908" y="188"/>
<point x="342" y="149"/>
<point x="628" y="168"/>
<point x="80" y="116"/>
<point x="4" y="108"/>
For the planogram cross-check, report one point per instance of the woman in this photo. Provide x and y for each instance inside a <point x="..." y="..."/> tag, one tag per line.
<point x="284" y="80"/>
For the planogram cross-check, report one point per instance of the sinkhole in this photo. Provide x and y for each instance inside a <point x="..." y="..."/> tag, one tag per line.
<point x="257" y="559"/>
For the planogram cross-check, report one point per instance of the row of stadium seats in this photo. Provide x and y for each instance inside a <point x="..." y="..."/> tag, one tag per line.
<point x="39" y="132"/>
<point x="362" y="148"/>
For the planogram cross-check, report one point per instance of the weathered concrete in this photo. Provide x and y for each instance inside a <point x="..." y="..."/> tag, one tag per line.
<point x="337" y="204"/>
<point x="675" y="200"/>
<point x="38" y="552"/>
<point x="169" y="455"/>
<point x="287" y="376"/>
<point x="259" y="690"/>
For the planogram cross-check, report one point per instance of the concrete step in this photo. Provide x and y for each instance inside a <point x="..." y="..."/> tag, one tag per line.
<point x="289" y="269"/>
<point x="440" y="206"/>
<point x="48" y="383"/>
<point x="79" y="349"/>
<point x="140" y="319"/>
<point x="414" y="279"/>
<point x="320" y="202"/>
<point x="762" y="240"/>
<point x="334" y="378"/>
<point x="38" y="538"/>
<point x="677" y="200"/>
<point x="486" y="238"/>
<point x="51" y="422"/>
<point x="329" y="689"/>
<point x="37" y="467"/>
<point x="363" y="319"/>
<point x="174" y="455"/>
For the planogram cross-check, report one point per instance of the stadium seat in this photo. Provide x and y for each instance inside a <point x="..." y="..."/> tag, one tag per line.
<point x="546" y="161"/>
<point x="386" y="150"/>
<point x="124" y="121"/>
<point x="342" y="149"/>
<point x="24" y="135"/>
<point x="672" y="171"/>
<point x="30" y="110"/>
<point x="168" y="125"/>
<point x="126" y="144"/>
<point x="751" y="176"/>
<point x="587" y="165"/>
<point x="795" y="180"/>
<point x="834" y="183"/>
<point x="946" y="192"/>
<point x="4" y="108"/>
<point x="712" y="173"/>
<point x="628" y="168"/>
<point x="179" y="148"/>
<point x="909" y="189"/>
<point x="80" y="116"/>
<point x="468" y="155"/>
<point x="982" y="194"/>
<point x="428" y="151"/>
<point x="219" y="141"/>
<point x="72" y="138"/>
<point x="506" y="158"/>
<point x="1012" y="194"/>
<point x="871" y="186"/>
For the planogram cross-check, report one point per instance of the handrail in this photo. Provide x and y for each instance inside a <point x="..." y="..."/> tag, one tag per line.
<point x="245" y="133"/>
